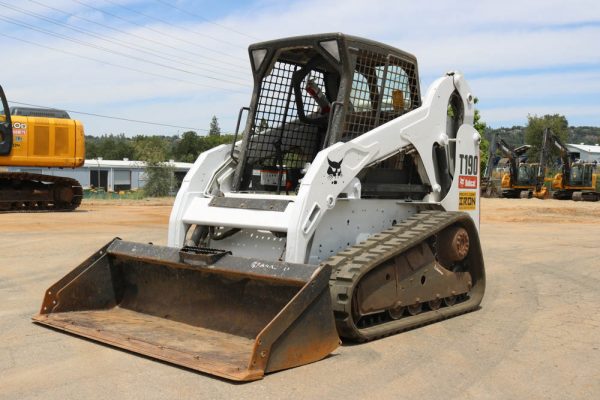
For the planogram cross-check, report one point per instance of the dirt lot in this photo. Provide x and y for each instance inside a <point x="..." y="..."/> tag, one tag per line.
<point x="536" y="336"/>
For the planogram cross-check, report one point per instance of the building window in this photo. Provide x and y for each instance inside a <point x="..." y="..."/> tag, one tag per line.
<point x="122" y="180"/>
<point x="99" y="179"/>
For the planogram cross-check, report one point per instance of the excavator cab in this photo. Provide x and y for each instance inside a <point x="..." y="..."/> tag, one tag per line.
<point x="527" y="174"/>
<point x="581" y="174"/>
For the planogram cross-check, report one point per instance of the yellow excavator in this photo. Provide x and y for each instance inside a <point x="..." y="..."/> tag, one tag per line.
<point x="36" y="137"/>
<point x="502" y="185"/>
<point x="578" y="180"/>
<point x="523" y="180"/>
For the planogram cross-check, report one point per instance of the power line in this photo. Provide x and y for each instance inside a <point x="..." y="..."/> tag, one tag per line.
<point x="120" y="66"/>
<point x="167" y="22"/>
<point x="70" y="15"/>
<point x="81" y="42"/>
<point x="210" y="22"/>
<point x="109" y="116"/>
<point x="101" y="37"/>
<point x="152" y="29"/>
<point x="206" y="20"/>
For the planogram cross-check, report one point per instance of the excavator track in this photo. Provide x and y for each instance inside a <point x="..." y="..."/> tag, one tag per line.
<point x="27" y="192"/>
<point x="350" y="267"/>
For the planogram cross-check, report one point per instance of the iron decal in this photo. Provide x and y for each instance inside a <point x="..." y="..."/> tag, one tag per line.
<point x="467" y="200"/>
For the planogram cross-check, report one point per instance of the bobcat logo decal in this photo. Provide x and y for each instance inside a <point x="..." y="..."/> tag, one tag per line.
<point x="334" y="170"/>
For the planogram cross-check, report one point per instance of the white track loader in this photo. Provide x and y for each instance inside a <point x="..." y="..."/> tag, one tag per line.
<point x="349" y="208"/>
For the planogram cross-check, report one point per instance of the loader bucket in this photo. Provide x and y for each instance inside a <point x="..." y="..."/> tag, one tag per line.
<point x="199" y="308"/>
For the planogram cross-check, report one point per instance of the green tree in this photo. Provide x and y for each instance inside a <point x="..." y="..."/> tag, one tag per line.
<point x="160" y="179"/>
<point x="188" y="147"/>
<point x="154" y="150"/>
<point x="109" y="147"/>
<point x="534" y="132"/>
<point x="151" y="148"/>
<point x="215" y="129"/>
<point x="484" y="146"/>
<point x="91" y="147"/>
<point x="208" y="142"/>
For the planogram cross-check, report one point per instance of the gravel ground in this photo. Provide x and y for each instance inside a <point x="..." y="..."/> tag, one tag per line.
<point x="537" y="334"/>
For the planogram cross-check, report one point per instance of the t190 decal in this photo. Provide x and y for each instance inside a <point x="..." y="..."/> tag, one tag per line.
<point x="469" y="165"/>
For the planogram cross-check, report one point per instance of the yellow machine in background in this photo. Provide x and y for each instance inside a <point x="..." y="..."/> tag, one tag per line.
<point x="523" y="180"/>
<point x="529" y="182"/>
<point x="578" y="180"/>
<point x="31" y="137"/>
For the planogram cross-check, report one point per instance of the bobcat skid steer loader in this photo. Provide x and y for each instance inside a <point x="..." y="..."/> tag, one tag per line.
<point x="349" y="208"/>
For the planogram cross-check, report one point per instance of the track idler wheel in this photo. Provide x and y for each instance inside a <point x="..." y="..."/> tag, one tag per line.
<point x="453" y="245"/>
<point x="63" y="194"/>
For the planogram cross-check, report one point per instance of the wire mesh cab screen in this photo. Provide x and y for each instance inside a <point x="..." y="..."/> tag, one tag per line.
<point x="383" y="88"/>
<point x="290" y="122"/>
<point x="311" y="94"/>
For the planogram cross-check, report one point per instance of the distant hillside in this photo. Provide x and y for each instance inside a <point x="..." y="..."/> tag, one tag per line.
<point x="577" y="134"/>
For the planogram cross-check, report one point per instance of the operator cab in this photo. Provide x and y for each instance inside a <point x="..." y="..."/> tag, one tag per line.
<point x="581" y="174"/>
<point x="527" y="174"/>
<point x="311" y="92"/>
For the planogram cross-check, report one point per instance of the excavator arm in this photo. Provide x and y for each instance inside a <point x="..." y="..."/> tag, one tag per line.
<point x="564" y="157"/>
<point x="487" y="174"/>
<point x="509" y="152"/>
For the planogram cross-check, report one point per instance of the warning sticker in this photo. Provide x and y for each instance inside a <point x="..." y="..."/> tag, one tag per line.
<point x="19" y="128"/>
<point x="467" y="182"/>
<point x="271" y="178"/>
<point x="467" y="200"/>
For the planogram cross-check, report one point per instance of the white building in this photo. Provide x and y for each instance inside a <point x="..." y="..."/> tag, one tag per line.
<point x="584" y="152"/>
<point x="111" y="175"/>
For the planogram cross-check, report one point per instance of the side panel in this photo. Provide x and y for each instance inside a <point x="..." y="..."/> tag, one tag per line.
<point x="464" y="192"/>
<point x="421" y="128"/>
<point x="46" y="142"/>
<point x="353" y="221"/>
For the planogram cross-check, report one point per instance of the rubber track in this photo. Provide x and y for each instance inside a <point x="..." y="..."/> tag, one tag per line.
<point x="350" y="265"/>
<point x="26" y="176"/>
